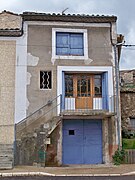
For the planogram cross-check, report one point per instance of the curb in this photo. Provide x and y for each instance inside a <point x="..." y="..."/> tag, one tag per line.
<point x="129" y="173"/>
<point x="49" y="174"/>
<point x="93" y="175"/>
<point x="25" y="174"/>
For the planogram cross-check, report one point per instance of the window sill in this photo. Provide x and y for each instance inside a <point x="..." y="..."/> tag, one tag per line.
<point x="45" y="89"/>
<point x="69" y="57"/>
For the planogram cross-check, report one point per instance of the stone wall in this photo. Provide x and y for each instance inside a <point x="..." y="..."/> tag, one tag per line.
<point x="127" y="106"/>
<point x="7" y="99"/>
<point x="7" y="90"/>
<point x="32" y="149"/>
<point x="10" y="20"/>
<point x="127" y="77"/>
<point x="127" y="97"/>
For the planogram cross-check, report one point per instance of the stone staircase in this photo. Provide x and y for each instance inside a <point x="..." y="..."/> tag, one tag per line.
<point x="31" y="140"/>
<point x="47" y="127"/>
<point x="32" y="133"/>
<point x="6" y="156"/>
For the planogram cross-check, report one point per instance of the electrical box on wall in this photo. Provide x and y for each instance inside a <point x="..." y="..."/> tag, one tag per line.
<point x="48" y="141"/>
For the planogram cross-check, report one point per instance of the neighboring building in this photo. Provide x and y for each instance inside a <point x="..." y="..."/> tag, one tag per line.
<point x="10" y="30"/>
<point x="128" y="95"/>
<point x="65" y="89"/>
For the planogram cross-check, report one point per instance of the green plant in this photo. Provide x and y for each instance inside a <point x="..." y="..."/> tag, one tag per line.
<point x="128" y="143"/>
<point x="119" y="156"/>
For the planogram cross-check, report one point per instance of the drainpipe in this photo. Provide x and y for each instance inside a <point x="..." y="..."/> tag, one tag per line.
<point x="117" y="109"/>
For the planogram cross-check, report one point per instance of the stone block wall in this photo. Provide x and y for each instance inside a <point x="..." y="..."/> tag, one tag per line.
<point x="127" y="77"/>
<point x="7" y="100"/>
<point x="10" y="20"/>
<point x="127" y="106"/>
<point x="32" y="149"/>
<point x="127" y="94"/>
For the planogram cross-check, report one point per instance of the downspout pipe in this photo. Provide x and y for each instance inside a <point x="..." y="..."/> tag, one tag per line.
<point x="117" y="108"/>
<point x="118" y="113"/>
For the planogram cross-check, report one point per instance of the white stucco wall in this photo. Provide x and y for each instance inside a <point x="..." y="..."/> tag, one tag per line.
<point x="20" y="74"/>
<point x="21" y="77"/>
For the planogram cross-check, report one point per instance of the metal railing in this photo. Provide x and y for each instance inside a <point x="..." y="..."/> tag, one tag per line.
<point x="58" y="104"/>
<point x="88" y="103"/>
<point x="47" y="111"/>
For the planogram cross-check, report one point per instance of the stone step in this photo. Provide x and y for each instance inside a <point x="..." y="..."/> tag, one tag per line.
<point x="6" y="149"/>
<point x="6" y="165"/>
<point x="6" y="152"/>
<point x="6" y="145"/>
<point x="6" y="156"/>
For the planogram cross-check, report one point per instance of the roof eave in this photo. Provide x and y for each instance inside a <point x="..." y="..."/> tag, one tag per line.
<point x="68" y="18"/>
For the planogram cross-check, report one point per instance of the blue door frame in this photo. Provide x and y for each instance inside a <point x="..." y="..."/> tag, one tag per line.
<point x="105" y="95"/>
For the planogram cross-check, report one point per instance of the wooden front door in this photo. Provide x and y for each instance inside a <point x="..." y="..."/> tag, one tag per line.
<point x="83" y="91"/>
<point x="80" y="89"/>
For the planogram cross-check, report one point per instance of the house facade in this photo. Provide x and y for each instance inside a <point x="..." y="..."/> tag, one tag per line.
<point x="10" y="31"/>
<point x="71" y="68"/>
<point x="65" y="89"/>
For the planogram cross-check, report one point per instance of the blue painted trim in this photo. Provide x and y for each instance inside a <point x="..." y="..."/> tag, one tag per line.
<point x="63" y="90"/>
<point x="105" y="96"/>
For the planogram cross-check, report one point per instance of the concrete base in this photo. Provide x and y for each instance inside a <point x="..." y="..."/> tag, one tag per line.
<point x="6" y="156"/>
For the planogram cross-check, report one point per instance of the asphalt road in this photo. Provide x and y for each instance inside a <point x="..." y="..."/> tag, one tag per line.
<point x="70" y="178"/>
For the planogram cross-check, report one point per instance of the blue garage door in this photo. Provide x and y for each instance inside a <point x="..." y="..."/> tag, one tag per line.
<point x="82" y="142"/>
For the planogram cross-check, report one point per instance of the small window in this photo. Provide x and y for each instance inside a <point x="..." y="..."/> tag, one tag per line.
<point x="69" y="44"/>
<point x="98" y="85"/>
<point x="45" y="80"/>
<point x="71" y="132"/>
<point x="132" y="123"/>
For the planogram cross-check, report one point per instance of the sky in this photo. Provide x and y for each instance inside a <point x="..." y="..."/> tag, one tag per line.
<point x="123" y="9"/>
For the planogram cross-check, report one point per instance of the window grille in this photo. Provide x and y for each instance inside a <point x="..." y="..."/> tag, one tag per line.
<point x="45" y="80"/>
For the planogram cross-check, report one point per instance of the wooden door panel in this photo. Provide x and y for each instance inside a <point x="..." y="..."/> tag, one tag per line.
<point x="84" y="103"/>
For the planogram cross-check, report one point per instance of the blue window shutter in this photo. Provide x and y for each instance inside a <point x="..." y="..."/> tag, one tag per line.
<point x="76" y="44"/>
<point x="63" y="90"/>
<point x="105" y="90"/>
<point x="69" y="44"/>
<point x="62" y="43"/>
<point x="76" y="41"/>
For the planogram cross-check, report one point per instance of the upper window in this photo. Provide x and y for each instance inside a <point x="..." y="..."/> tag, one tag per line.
<point x="69" y="44"/>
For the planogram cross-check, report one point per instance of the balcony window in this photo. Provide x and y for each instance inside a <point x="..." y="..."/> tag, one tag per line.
<point x="68" y="85"/>
<point x="98" y="85"/>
